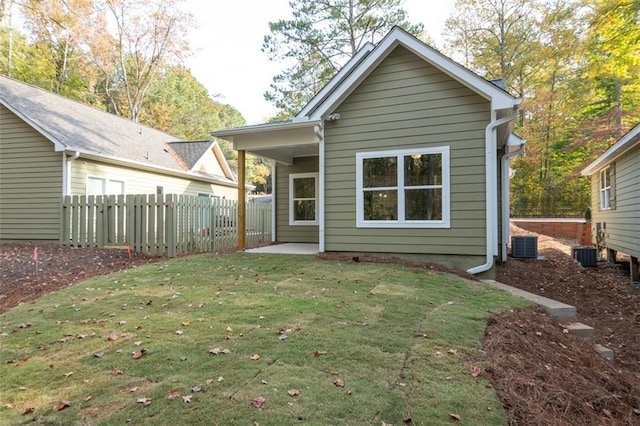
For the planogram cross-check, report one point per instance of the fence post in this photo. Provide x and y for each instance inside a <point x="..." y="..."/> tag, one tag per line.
<point x="170" y="225"/>
<point x="64" y="221"/>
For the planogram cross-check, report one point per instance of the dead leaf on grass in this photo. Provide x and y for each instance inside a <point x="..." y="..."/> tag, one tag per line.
<point x="255" y="357"/>
<point x="186" y="323"/>
<point x="218" y="351"/>
<point x="474" y="370"/>
<point x="173" y="394"/>
<point x="112" y="337"/>
<point x="338" y="382"/>
<point x="258" y="402"/>
<point x="24" y="325"/>
<point x="293" y="392"/>
<point x="61" y="405"/>
<point x="144" y="400"/>
<point x="196" y="388"/>
<point x="66" y="375"/>
<point x="138" y="354"/>
<point x="116" y="372"/>
<point x="187" y="398"/>
<point x="454" y="416"/>
<point x="452" y="351"/>
<point x="28" y="410"/>
<point x="318" y="353"/>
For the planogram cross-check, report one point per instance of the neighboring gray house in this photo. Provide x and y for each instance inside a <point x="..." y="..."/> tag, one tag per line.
<point x="51" y="146"/>
<point x="404" y="153"/>
<point x="615" y="199"/>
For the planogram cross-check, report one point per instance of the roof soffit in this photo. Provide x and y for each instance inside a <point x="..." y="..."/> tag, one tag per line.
<point x="628" y="141"/>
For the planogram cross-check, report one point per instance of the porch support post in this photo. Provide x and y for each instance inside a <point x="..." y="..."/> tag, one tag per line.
<point x="242" y="202"/>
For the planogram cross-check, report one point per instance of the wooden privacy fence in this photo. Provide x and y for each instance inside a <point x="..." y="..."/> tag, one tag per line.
<point x="158" y="225"/>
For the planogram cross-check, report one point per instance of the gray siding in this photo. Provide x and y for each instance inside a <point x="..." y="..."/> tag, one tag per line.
<point x="407" y="103"/>
<point x="623" y="219"/>
<point x="30" y="182"/>
<point x="284" y="231"/>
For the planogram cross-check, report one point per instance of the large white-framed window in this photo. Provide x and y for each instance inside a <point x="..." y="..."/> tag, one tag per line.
<point x="605" y="188"/>
<point x="103" y="186"/>
<point x="303" y="199"/>
<point x="406" y="188"/>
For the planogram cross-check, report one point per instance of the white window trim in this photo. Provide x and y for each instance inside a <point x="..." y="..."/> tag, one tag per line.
<point x="445" y="222"/>
<point x="605" y="191"/>
<point x="105" y="182"/>
<point x="292" y="221"/>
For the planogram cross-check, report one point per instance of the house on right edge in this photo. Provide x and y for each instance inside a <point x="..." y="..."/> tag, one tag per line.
<point x="615" y="199"/>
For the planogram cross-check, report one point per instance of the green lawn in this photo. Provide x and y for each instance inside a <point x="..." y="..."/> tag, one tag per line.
<point x="310" y="341"/>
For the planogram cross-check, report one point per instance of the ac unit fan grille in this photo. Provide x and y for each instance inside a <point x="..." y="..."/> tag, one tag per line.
<point x="524" y="246"/>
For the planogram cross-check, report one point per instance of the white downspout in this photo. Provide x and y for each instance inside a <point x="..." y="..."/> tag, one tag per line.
<point x="66" y="172"/>
<point x="505" y="198"/>
<point x="319" y="131"/>
<point x="491" y="185"/>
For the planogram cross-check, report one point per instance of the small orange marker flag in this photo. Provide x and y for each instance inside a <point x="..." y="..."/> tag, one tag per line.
<point x="129" y="251"/>
<point x="35" y="254"/>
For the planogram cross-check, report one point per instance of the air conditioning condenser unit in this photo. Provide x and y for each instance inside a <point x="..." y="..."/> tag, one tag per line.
<point x="524" y="246"/>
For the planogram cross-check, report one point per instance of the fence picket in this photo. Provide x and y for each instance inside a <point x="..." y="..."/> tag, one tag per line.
<point x="160" y="225"/>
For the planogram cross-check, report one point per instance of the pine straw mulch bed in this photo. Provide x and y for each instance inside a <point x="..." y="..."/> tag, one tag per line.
<point x="543" y="375"/>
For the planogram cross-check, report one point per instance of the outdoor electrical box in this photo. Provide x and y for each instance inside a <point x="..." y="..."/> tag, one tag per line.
<point x="524" y="246"/>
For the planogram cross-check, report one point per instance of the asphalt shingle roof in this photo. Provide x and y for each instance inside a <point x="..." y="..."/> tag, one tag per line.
<point x="191" y="152"/>
<point x="79" y="127"/>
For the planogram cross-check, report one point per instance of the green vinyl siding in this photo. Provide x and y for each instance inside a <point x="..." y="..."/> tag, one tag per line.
<point x="141" y="182"/>
<point x="30" y="182"/>
<point x="622" y="232"/>
<point x="407" y="103"/>
<point x="284" y="231"/>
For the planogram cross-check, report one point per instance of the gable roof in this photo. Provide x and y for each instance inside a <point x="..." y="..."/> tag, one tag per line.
<point x="628" y="141"/>
<point x="323" y="104"/>
<point x="75" y="127"/>
<point x="368" y="58"/>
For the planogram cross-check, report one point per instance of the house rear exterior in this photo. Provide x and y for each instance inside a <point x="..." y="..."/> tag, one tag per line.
<point x="401" y="154"/>
<point x="615" y="199"/>
<point x="51" y="146"/>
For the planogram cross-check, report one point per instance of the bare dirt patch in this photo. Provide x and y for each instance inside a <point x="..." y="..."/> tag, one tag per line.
<point x="543" y="375"/>
<point x="57" y="267"/>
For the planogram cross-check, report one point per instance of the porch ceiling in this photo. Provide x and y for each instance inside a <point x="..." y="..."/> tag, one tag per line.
<point x="281" y="142"/>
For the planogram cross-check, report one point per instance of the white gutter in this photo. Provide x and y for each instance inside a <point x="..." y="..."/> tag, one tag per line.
<point x="319" y="131"/>
<point x="505" y="198"/>
<point x="491" y="185"/>
<point x="66" y="171"/>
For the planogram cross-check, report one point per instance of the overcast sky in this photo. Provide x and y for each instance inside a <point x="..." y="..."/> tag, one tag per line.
<point x="226" y="54"/>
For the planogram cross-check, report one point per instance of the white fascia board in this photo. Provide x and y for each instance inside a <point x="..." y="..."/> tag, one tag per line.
<point x="58" y="146"/>
<point x="398" y="37"/>
<point x="217" y="152"/>
<point x="228" y="134"/>
<point x="335" y="82"/>
<point x="624" y="144"/>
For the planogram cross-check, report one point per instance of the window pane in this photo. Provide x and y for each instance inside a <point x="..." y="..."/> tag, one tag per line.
<point x="379" y="172"/>
<point x="423" y="204"/>
<point x="95" y="186"/>
<point x="381" y="205"/>
<point x="423" y="169"/>
<point x="304" y="210"/>
<point x="304" y="187"/>
<point x="115" y="187"/>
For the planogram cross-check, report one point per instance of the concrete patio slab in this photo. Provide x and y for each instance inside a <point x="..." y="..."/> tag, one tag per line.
<point x="287" y="248"/>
